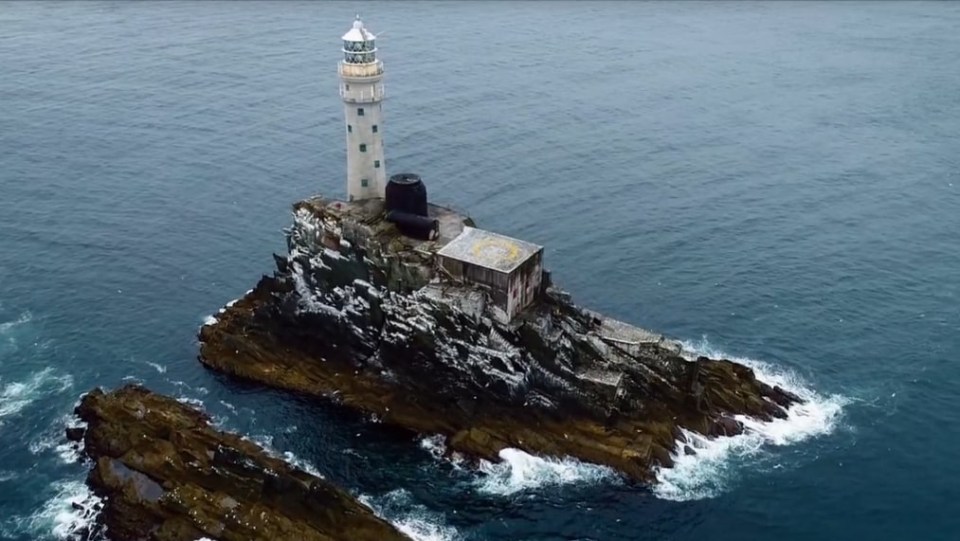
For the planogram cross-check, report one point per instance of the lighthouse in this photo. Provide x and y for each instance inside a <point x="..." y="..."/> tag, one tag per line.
<point x="361" y="87"/>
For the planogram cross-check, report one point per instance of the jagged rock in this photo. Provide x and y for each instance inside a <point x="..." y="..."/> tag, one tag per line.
<point x="725" y="426"/>
<point x="357" y="313"/>
<point x="166" y="475"/>
<point x="74" y="433"/>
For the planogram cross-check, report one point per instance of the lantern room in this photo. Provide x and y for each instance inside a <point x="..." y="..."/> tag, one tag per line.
<point x="359" y="45"/>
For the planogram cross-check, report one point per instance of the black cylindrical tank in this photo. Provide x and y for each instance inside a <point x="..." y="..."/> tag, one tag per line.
<point x="412" y="225"/>
<point x="407" y="193"/>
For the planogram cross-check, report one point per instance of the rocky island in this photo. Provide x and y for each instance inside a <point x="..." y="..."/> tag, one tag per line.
<point x="165" y="474"/>
<point x="362" y="314"/>
<point x="407" y="312"/>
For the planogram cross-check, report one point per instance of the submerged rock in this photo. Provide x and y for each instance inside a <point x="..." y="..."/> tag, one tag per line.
<point x="359" y="314"/>
<point x="166" y="475"/>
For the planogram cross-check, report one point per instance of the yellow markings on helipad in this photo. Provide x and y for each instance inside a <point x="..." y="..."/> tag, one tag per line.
<point x="496" y="249"/>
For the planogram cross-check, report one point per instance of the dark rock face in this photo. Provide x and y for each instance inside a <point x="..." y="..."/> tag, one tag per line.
<point x="356" y="314"/>
<point x="74" y="433"/>
<point x="166" y="475"/>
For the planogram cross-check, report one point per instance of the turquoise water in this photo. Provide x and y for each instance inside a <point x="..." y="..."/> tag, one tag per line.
<point x="775" y="182"/>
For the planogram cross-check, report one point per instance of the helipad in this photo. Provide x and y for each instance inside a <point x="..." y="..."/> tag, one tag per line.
<point x="489" y="250"/>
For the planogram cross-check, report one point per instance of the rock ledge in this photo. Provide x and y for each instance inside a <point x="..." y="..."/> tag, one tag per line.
<point x="165" y="474"/>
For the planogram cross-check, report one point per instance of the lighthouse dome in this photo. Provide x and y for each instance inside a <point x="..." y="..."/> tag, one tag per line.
<point x="358" y="32"/>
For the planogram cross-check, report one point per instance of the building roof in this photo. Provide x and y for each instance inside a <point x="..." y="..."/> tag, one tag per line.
<point x="489" y="250"/>
<point x="358" y="32"/>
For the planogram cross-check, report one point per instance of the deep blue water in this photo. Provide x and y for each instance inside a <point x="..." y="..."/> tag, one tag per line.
<point x="772" y="181"/>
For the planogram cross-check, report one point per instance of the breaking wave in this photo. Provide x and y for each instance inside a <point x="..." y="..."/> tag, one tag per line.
<point x="416" y="521"/>
<point x="54" y="439"/>
<point x="212" y="319"/>
<point x="520" y="471"/>
<point x="72" y="509"/>
<point x="17" y="395"/>
<point x="708" y="472"/>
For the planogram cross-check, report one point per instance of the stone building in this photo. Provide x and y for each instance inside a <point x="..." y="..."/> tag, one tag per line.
<point x="510" y="269"/>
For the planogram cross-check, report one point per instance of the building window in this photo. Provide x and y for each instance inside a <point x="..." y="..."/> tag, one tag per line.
<point x="346" y="87"/>
<point x="363" y="147"/>
<point x="376" y="164"/>
<point x="374" y="128"/>
<point x="364" y="182"/>
<point x="349" y="128"/>
<point x="359" y="111"/>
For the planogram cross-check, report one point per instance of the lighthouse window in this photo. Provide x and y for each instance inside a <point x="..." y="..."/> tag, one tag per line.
<point x="359" y="111"/>
<point x="363" y="147"/>
<point x="349" y="128"/>
<point x="346" y="87"/>
<point x="364" y="182"/>
<point x="376" y="164"/>
<point x="374" y="128"/>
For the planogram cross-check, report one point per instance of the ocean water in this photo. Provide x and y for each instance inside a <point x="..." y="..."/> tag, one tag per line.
<point x="774" y="182"/>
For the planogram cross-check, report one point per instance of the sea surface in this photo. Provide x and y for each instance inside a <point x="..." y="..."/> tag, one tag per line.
<point x="768" y="181"/>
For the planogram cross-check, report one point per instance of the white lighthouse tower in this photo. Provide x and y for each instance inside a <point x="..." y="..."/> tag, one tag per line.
<point x="361" y="87"/>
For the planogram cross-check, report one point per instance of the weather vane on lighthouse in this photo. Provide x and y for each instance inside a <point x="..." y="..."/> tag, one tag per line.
<point x="361" y="87"/>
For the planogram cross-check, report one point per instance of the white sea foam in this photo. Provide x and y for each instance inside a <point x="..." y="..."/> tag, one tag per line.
<point x="266" y="442"/>
<point x="190" y="401"/>
<point x="416" y="521"/>
<point x="709" y="471"/>
<point x="210" y="320"/>
<point x="68" y="452"/>
<point x="229" y="406"/>
<point x="60" y="516"/>
<point x="19" y="394"/>
<point x="300" y="463"/>
<point x="54" y="439"/>
<point x="436" y="445"/>
<point x="188" y="394"/>
<point x="263" y="440"/>
<point x="518" y="471"/>
<point x="24" y="318"/>
<point x="158" y="367"/>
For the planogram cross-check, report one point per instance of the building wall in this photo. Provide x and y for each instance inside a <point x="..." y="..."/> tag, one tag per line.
<point x="363" y="93"/>
<point x="525" y="284"/>
<point x="510" y="292"/>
